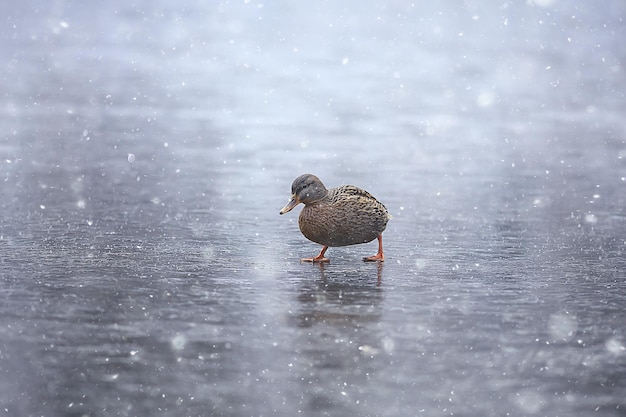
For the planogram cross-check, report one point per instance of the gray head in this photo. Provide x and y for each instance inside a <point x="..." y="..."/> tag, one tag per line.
<point x="307" y="188"/>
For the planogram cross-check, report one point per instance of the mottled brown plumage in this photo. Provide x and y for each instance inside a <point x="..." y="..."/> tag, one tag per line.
<point x="341" y="216"/>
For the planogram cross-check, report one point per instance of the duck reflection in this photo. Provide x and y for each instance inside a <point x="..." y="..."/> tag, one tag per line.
<point x="338" y="340"/>
<point x="340" y="296"/>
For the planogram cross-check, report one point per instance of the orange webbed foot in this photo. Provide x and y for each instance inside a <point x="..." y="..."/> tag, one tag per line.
<point x="319" y="258"/>
<point x="379" y="257"/>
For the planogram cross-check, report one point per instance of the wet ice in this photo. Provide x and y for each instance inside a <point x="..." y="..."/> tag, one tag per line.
<point x="143" y="264"/>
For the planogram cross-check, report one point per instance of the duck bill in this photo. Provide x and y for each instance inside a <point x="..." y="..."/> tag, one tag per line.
<point x="293" y="201"/>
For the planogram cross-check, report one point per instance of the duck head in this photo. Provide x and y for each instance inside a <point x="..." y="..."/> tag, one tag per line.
<point x="306" y="189"/>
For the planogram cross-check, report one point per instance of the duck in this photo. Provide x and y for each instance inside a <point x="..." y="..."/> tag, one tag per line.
<point x="341" y="216"/>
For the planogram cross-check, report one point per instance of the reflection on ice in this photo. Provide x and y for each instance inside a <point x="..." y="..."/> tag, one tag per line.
<point x="562" y="327"/>
<point x="147" y="148"/>
<point x="615" y="346"/>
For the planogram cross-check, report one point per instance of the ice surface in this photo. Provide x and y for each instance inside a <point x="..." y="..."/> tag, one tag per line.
<point x="147" y="148"/>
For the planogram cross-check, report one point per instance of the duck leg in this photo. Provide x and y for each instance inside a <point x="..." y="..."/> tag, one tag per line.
<point x="319" y="257"/>
<point x="380" y="256"/>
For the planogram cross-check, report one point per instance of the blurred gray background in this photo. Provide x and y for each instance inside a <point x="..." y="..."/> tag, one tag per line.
<point x="147" y="147"/>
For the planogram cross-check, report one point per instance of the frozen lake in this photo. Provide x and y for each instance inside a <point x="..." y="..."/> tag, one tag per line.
<point x="147" y="148"/>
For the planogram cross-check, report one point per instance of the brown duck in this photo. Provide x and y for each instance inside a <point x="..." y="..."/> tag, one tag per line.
<point x="341" y="216"/>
